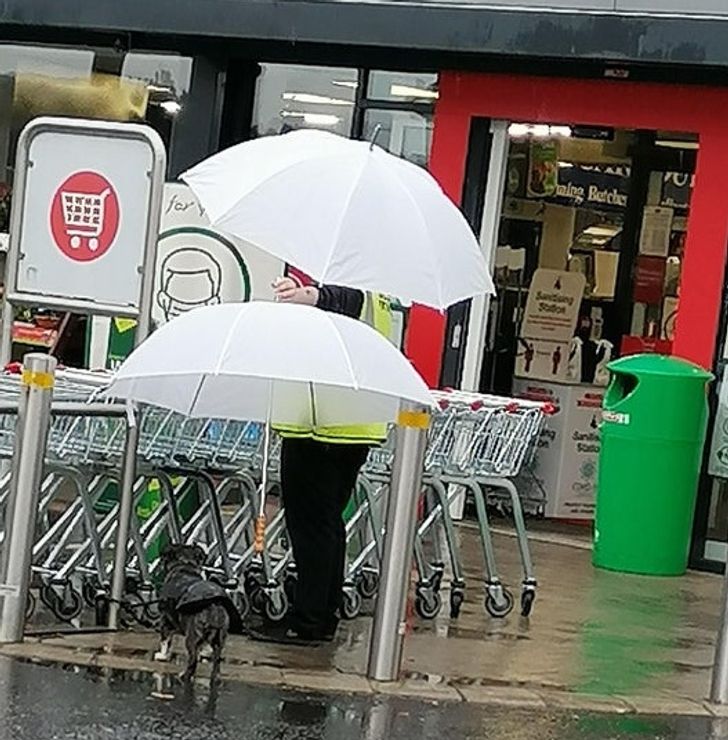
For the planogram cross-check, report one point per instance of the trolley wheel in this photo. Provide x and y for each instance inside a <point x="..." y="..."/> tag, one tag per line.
<point x="456" y="602"/>
<point x="257" y="600"/>
<point x="367" y="583"/>
<point x="241" y="602"/>
<point x="252" y="581"/>
<point x="527" y="599"/>
<point x="30" y="605"/>
<point x="101" y="609"/>
<point x="499" y="609"/>
<point x="48" y="596"/>
<point x="351" y="604"/>
<point x="276" y="609"/>
<point x="131" y="611"/>
<point x="89" y="591"/>
<point x="151" y="616"/>
<point x="436" y="577"/>
<point x="69" y="606"/>
<point x="428" y="604"/>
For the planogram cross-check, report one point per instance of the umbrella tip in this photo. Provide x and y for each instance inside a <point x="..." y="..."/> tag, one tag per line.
<point x="377" y="131"/>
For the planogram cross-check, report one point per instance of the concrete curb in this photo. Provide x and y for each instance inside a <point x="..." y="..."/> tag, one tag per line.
<point x="334" y="681"/>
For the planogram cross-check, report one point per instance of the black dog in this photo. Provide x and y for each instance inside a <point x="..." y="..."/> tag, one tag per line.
<point x="200" y="610"/>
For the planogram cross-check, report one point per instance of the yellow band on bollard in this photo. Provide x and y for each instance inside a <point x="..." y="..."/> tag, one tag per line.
<point x="42" y="381"/>
<point x="416" y="419"/>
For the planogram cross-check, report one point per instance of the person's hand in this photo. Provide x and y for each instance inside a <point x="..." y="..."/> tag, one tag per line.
<point x="287" y="290"/>
<point x="284" y="289"/>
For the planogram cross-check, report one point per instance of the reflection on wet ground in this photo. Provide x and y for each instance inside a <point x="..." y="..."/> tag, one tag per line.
<point x="592" y="631"/>
<point x="41" y="702"/>
<point x="627" y="642"/>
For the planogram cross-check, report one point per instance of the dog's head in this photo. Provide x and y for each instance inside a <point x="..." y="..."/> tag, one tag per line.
<point x="175" y="556"/>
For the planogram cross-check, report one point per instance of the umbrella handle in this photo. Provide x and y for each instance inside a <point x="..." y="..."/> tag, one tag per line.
<point x="260" y="524"/>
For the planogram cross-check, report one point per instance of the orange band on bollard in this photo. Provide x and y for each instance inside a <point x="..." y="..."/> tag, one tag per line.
<point x="416" y="419"/>
<point x="43" y="381"/>
<point x="259" y="544"/>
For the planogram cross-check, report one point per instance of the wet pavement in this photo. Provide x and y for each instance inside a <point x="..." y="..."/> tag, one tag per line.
<point x="596" y="640"/>
<point x="47" y="702"/>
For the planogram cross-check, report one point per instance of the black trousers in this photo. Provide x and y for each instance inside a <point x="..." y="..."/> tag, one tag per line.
<point x="317" y="480"/>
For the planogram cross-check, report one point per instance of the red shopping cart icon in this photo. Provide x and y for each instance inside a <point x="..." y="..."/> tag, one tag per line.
<point x="84" y="216"/>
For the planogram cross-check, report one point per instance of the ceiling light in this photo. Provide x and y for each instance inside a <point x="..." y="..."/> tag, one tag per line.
<point x="407" y="91"/>
<point x="518" y="130"/>
<point x="563" y="131"/>
<point x="298" y="97"/>
<point x="172" y="107"/>
<point x="602" y="231"/>
<point x="159" y="88"/>
<point x="313" y="119"/>
<point x="538" y="130"/>
<point x="669" y="144"/>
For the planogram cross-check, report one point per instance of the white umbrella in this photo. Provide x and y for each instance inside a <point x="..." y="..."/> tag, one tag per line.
<point x="346" y="213"/>
<point x="270" y="362"/>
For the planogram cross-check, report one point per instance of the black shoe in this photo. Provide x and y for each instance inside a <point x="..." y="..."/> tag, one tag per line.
<point x="287" y="635"/>
<point x="329" y="633"/>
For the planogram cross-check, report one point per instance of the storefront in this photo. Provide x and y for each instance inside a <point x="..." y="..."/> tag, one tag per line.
<point x="600" y="198"/>
<point x="606" y="169"/>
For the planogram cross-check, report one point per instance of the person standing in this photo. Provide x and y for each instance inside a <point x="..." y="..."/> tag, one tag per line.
<point x="319" y="468"/>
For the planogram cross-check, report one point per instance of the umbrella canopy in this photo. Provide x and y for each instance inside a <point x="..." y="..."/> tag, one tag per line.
<point x="260" y="361"/>
<point x="346" y="213"/>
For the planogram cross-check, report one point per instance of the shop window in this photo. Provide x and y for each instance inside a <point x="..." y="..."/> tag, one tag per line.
<point x="290" y="97"/>
<point x="84" y="83"/>
<point x="402" y="87"/>
<point x="404" y="133"/>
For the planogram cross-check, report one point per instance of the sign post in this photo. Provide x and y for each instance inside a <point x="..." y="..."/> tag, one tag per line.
<point x="84" y="229"/>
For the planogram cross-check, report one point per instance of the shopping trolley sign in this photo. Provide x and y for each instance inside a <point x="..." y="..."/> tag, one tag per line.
<point x="84" y="216"/>
<point x="85" y="219"/>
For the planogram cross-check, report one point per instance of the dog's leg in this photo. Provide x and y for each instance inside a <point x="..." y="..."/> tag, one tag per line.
<point x="216" y="660"/>
<point x="217" y="642"/>
<point x="166" y="630"/>
<point x="217" y="645"/>
<point x="192" y="643"/>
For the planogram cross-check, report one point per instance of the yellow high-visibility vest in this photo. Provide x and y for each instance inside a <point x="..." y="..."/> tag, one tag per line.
<point x="377" y="312"/>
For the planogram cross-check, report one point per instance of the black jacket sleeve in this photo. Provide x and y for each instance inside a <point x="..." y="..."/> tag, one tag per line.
<point x="347" y="301"/>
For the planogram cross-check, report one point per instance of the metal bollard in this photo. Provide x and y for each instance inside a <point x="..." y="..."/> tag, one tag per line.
<point x="385" y="649"/>
<point x="34" y="413"/>
<point x="126" y="506"/>
<point x="719" y="684"/>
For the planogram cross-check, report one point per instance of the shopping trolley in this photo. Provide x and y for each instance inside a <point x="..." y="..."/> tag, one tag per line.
<point x="481" y="443"/>
<point x="83" y="216"/>
<point x="476" y="442"/>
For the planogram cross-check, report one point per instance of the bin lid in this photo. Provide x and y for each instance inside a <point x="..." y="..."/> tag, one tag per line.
<point x="650" y="364"/>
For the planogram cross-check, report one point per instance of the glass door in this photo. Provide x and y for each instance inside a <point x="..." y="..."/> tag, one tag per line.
<point x="710" y="531"/>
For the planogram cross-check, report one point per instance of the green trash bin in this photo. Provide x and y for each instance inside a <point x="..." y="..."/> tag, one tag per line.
<point x="652" y="436"/>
